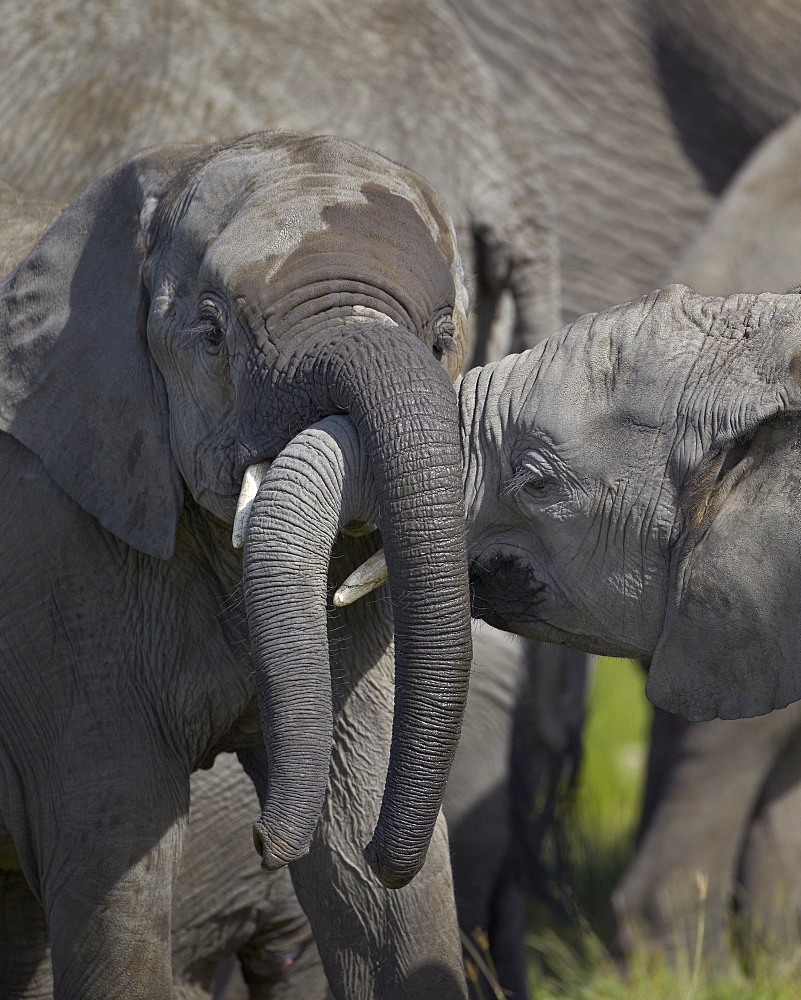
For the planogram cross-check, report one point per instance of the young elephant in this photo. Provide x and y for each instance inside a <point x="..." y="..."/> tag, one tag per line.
<point x="610" y="477"/>
<point x="722" y="799"/>
<point x="176" y="325"/>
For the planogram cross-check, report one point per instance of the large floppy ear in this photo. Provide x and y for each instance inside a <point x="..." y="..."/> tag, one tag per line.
<point x="731" y="645"/>
<point x="77" y="384"/>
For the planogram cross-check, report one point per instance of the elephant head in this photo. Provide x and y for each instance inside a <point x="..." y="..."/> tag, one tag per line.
<point x="632" y="487"/>
<point x="181" y="321"/>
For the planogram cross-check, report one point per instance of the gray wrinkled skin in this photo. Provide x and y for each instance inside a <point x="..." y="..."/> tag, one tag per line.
<point x="641" y="111"/>
<point x="95" y="82"/>
<point x="124" y="634"/>
<point x="223" y="905"/>
<point x="722" y="798"/>
<point x="610" y="477"/>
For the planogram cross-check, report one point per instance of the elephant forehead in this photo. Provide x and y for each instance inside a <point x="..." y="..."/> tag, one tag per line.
<point x="282" y="182"/>
<point x="375" y="237"/>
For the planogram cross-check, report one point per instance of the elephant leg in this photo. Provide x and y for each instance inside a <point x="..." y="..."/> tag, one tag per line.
<point x="681" y="879"/>
<point x="100" y="844"/>
<point x="770" y="870"/>
<point x="374" y="942"/>
<point x="507" y="934"/>
<point x="25" y="970"/>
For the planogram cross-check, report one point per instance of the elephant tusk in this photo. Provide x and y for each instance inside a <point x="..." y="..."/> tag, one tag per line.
<point x="251" y="481"/>
<point x="371" y="574"/>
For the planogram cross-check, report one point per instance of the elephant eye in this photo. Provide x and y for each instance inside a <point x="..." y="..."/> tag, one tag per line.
<point x="540" y="486"/>
<point x="210" y="330"/>
<point x="530" y="482"/>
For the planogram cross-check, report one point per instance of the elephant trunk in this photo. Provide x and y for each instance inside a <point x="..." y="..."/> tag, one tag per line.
<point x="404" y="408"/>
<point x="317" y="485"/>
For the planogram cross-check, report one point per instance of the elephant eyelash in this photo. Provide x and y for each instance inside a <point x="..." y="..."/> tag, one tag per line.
<point x="208" y="331"/>
<point x="526" y="478"/>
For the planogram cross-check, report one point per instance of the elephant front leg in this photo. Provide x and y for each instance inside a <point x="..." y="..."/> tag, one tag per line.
<point x="100" y="845"/>
<point x="25" y="970"/>
<point x="684" y="869"/>
<point x="375" y="942"/>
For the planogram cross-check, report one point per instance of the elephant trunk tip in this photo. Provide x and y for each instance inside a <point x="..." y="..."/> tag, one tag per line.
<point x="393" y="873"/>
<point x="274" y="850"/>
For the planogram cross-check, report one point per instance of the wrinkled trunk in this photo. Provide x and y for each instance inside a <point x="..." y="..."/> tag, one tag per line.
<point x="405" y="412"/>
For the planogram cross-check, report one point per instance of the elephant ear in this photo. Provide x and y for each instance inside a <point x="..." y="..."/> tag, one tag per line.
<point x="77" y="384"/>
<point x="731" y="644"/>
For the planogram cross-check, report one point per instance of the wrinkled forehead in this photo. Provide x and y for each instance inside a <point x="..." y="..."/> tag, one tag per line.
<point x="671" y="365"/>
<point x="263" y="203"/>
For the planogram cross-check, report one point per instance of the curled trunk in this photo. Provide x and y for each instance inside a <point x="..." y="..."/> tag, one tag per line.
<point x="405" y="412"/>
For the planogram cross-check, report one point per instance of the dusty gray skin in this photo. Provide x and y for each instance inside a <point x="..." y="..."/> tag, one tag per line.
<point x="97" y="82"/>
<point x="751" y="242"/>
<point x="610" y="477"/>
<point x="187" y="315"/>
<point x="723" y="798"/>
<point x="223" y="905"/>
<point x="640" y="112"/>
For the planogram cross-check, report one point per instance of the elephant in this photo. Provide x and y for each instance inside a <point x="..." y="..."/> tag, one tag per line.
<point x="519" y="745"/>
<point x="284" y="313"/>
<point x="191" y="311"/>
<point x="93" y="84"/>
<point x="222" y="905"/>
<point x="722" y="799"/>
<point x="640" y="111"/>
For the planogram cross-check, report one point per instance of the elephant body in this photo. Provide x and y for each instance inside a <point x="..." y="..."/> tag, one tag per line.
<point x="127" y="670"/>
<point x="641" y="111"/>
<point x="100" y="82"/>
<point x="519" y="746"/>
<point x="722" y="797"/>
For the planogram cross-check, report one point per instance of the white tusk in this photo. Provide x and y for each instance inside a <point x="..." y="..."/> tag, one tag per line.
<point x="251" y="481"/>
<point x="371" y="574"/>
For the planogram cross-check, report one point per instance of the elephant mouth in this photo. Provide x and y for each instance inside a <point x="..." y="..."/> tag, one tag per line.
<point x="505" y="592"/>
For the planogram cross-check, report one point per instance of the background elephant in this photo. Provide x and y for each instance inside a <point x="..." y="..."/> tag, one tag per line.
<point x="722" y="798"/>
<point x="92" y="85"/>
<point x="518" y="750"/>
<point x="157" y="680"/>
<point x="223" y="905"/>
<point x="641" y="111"/>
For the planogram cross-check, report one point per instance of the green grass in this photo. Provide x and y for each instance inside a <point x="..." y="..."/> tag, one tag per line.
<point x="572" y="959"/>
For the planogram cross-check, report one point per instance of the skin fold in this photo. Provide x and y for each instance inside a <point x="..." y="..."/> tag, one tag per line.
<point x="722" y="798"/>
<point x="129" y="666"/>
<point x="96" y="82"/>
